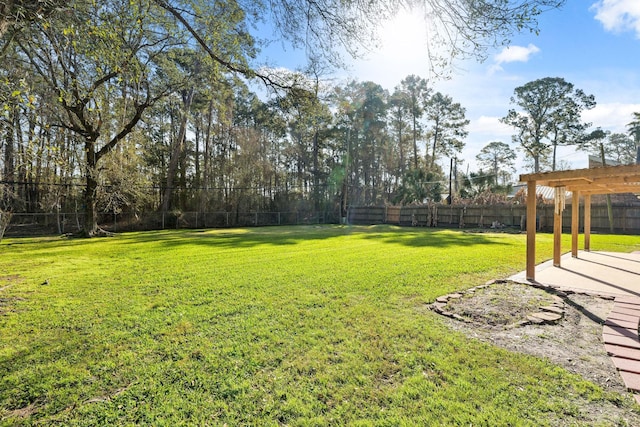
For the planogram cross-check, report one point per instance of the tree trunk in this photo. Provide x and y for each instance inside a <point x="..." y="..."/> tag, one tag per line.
<point x="9" y="170"/>
<point x="415" y="144"/>
<point x="90" y="223"/>
<point x="436" y="135"/>
<point x="316" y="172"/>
<point x="206" y="160"/>
<point x="22" y="188"/>
<point x="495" y="170"/>
<point x="401" y="147"/>
<point x="178" y="148"/>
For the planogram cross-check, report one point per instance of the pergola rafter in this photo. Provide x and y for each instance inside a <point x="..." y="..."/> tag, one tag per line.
<point x="580" y="182"/>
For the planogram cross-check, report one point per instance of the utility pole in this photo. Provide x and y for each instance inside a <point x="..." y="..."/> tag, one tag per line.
<point x="450" y="199"/>
<point x="455" y="175"/>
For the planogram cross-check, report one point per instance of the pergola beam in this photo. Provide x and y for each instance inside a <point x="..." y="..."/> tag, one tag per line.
<point x="611" y="189"/>
<point x="569" y="182"/>
<point x="629" y="180"/>
<point x="543" y="178"/>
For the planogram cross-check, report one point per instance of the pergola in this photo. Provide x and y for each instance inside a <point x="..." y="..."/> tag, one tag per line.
<point x="580" y="182"/>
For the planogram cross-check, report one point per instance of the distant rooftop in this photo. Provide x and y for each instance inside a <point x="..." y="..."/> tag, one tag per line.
<point x="547" y="193"/>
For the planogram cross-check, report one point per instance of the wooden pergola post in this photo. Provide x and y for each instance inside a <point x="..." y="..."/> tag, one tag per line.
<point x="557" y="225"/>
<point x="575" y="222"/>
<point x="587" y="222"/>
<point x="531" y="230"/>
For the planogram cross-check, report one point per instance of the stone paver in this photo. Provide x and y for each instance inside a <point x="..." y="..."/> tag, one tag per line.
<point x="622" y="341"/>
<point x="553" y="309"/>
<point x="628" y="324"/>
<point x="535" y="320"/>
<point x="623" y="332"/>
<point x="623" y="310"/>
<point x="620" y="336"/>
<point x="617" y="316"/>
<point x="547" y="316"/>
<point x="627" y="305"/>
<point x="631" y="380"/>
<point x="628" y="300"/>
<point x="620" y="351"/>
<point x="628" y="365"/>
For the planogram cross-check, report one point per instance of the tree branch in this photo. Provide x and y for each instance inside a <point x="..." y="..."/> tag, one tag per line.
<point x="236" y="68"/>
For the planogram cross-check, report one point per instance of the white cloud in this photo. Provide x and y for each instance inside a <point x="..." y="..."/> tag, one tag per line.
<point x="516" y="53"/>
<point x="618" y="15"/>
<point x="513" y="54"/>
<point x="611" y="116"/>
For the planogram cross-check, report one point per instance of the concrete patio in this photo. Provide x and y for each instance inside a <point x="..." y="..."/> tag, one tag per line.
<point x="600" y="273"/>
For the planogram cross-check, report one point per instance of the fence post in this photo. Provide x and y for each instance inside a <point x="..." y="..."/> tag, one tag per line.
<point x="163" y="220"/>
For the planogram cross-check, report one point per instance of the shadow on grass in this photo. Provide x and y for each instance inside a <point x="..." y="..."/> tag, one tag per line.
<point x="293" y="235"/>
<point x="436" y="238"/>
<point x="51" y="246"/>
<point x="255" y="237"/>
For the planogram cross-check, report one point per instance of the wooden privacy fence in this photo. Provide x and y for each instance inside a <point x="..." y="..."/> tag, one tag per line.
<point x="626" y="219"/>
<point x="23" y="224"/>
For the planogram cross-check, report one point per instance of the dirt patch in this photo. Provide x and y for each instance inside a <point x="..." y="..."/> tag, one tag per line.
<point x="7" y="281"/>
<point x="7" y="304"/>
<point x="500" y="314"/>
<point x="25" y="412"/>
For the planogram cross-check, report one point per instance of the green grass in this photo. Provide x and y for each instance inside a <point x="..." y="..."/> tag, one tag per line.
<point x="301" y="326"/>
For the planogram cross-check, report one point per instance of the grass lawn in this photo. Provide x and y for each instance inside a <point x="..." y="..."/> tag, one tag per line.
<point x="300" y="326"/>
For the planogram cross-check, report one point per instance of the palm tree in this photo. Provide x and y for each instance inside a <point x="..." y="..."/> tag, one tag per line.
<point x="634" y="131"/>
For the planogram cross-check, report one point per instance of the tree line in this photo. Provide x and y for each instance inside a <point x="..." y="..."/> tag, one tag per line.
<point x="121" y="106"/>
<point x="215" y="145"/>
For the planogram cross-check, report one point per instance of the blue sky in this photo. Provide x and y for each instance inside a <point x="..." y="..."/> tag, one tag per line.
<point x="592" y="44"/>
